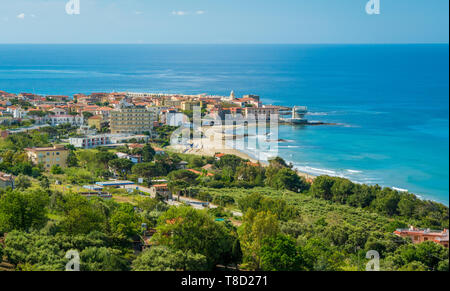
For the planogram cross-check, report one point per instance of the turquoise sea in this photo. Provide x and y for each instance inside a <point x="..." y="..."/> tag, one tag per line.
<point x="391" y="100"/>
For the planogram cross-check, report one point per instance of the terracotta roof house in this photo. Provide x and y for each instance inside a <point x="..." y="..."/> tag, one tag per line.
<point x="6" y="180"/>
<point x="200" y="173"/>
<point x="422" y="235"/>
<point x="135" y="146"/>
<point x="218" y="156"/>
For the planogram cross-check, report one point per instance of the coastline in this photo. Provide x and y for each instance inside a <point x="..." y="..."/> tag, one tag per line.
<point x="202" y="147"/>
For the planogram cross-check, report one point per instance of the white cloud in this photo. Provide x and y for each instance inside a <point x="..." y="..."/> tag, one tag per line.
<point x="21" y="16"/>
<point x="179" y="13"/>
<point x="182" y="13"/>
<point x="138" y="12"/>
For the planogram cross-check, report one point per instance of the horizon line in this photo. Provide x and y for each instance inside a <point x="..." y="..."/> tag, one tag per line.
<point x="318" y="43"/>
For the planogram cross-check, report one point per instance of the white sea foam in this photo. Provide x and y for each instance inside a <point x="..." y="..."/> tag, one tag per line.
<point x="316" y="171"/>
<point x="400" y="189"/>
<point x="354" y="171"/>
<point x="317" y="113"/>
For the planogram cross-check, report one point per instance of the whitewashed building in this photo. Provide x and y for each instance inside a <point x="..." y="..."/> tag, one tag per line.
<point x="74" y="120"/>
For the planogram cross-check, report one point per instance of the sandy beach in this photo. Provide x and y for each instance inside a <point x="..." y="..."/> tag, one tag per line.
<point x="215" y="143"/>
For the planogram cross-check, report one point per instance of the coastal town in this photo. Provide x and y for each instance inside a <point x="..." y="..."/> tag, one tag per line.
<point x="142" y="111"/>
<point x="104" y="164"/>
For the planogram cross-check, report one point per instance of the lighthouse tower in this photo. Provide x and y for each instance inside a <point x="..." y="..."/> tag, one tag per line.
<point x="298" y="114"/>
<point x="232" y="96"/>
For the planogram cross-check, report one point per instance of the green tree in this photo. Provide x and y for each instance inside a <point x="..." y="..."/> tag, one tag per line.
<point x="182" y="180"/>
<point x="72" y="159"/>
<point x="321" y="188"/>
<point x="276" y="206"/>
<point x="23" y="182"/>
<point x="103" y="259"/>
<point x="121" y="166"/>
<point x="413" y="267"/>
<point x="81" y="216"/>
<point x="56" y="170"/>
<point x="87" y="115"/>
<point x="148" y="153"/>
<point x="147" y="170"/>
<point x="23" y="210"/>
<point x="124" y="223"/>
<point x="256" y="228"/>
<point x="406" y="205"/>
<point x="231" y="161"/>
<point x="185" y="228"/>
<point x="429" y="254"/>
<point x="162" y="258"/>
<point x="44" y="183"/>
<point x="280" y="253"/>
<point x="104" y="157"/>
<point x="387" y="202"/>
<point x="288" y="179"/>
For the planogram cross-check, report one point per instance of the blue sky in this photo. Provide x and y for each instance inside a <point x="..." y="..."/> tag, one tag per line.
<point x="224" y="21"/>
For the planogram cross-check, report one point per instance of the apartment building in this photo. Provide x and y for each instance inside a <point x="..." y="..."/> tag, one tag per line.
<point x="128" y="119"/>
<point x="74" y="120"/>
<point x="49" y="156"/>
<point x="91" y="141"/>
<point x="265" y="112"/>
<point x="95" y="121"/>
<point x="189" y="105"/>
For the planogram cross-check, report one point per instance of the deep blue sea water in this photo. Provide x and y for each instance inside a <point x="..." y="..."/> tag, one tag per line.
<point x="391" y="99"/>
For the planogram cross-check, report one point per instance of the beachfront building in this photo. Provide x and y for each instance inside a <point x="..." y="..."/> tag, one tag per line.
<point x="96" y="122"/>
<point x="128" y="118"/>
<point x="18" y="113"/>
<point x="74" y="120"/>
<point x="189" y="105"/>
<point x="265" y="111"/>
<point x="91" y="141"/>
<point x="58" y="111"/>
<point x="57" y="98"/>
<point x="136" y="159"/>
<point x="96" y="140"/>
<point x="115" y="184"/>
<point x="422" y="235"/>
<point x="49" y="156"/>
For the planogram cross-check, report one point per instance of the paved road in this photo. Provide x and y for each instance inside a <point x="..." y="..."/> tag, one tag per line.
<point x="195" y="203"/>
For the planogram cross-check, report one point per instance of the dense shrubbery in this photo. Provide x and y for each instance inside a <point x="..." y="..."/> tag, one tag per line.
<point x="381" y="200"/>
<point x="286" y="224"/>
<point x="329" y="236"/>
